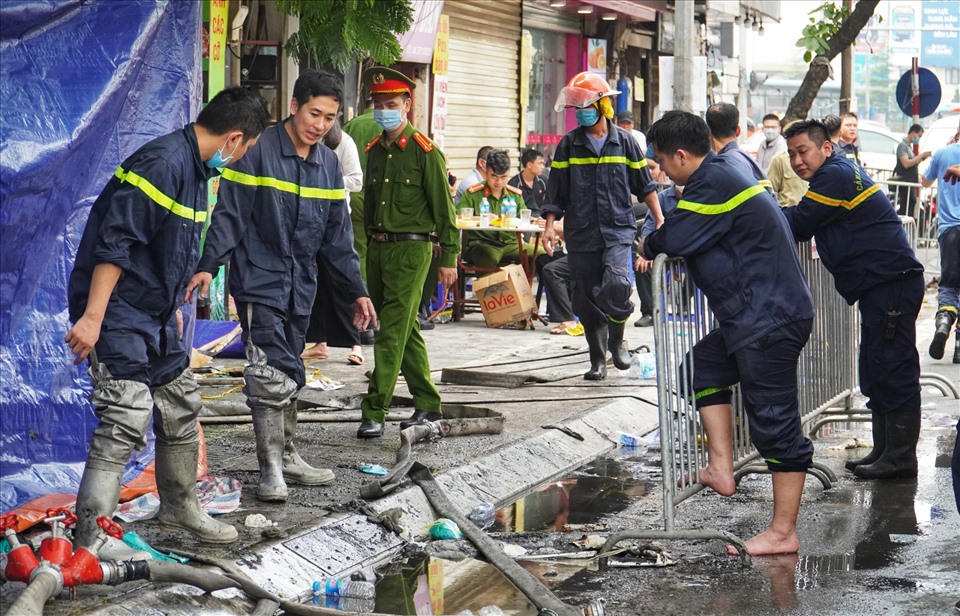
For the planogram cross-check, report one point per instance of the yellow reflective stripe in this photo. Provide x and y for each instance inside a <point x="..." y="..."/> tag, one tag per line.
<point x="765" y="183"/>
<point x="303" y="191"/>
<point x="862" y="196"/>
<point x="603" y="160"/>
<point x="559" y="164"/>
<point x="720" y="208"/>
<point x="158" y="197"/>
<point x="824" y="200"/>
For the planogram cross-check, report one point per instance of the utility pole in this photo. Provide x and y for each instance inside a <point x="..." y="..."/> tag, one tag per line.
<point x="846" y="69"/>
<point x="684" y="49"/>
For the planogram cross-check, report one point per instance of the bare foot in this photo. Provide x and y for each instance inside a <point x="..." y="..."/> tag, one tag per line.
<point x="720" y="481"/>
<point x="770" y="542"/>
<point x="317" y="351"/>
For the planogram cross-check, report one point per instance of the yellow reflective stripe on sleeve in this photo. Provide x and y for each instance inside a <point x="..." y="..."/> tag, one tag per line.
<point x="822" y="199"/>
<point x="859" y="199"/>
<point x="559" y="164"/>
<point x="765" y="183"/>
<point x="720" y="208"/>
<point x="158" y="197"/>
<point x="304" y="191"/>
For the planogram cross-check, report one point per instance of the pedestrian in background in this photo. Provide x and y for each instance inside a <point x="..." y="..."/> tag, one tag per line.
<point x="772" y="144"/>
<point x="738" y="250"/>
<point x="476" y="174"/>
<point x="948" y="236"/>
<point x="407" y="198"/>
<point x="362" y="129"/>
<point x="906" y="170"/>
<point x="529" y="182"/>
<point x="861" y="242"/>
<point x="138" y="249"/>
<point x="847" y="143"/>
<point x="596" y="167"/>
<point x="724" y="122"/>
<point x="279" y="208"/>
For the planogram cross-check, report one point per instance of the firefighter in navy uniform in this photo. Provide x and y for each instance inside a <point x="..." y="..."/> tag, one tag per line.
<point x="406" y="199"/>
<point x="138" y="250"/>
<point x="278" y="209"/>
<point x="861" y="241"/>
<point x="738" y="250"/>
<point x="595" y="169"/>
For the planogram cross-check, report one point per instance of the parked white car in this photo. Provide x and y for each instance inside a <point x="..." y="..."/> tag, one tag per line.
<point x="878" y="146"/>
<point x="937" y="136"/>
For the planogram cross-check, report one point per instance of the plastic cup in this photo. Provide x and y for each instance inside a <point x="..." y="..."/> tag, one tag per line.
<point x="466" y="213"/>
<point x="485" y="220"/>
<point x="524" y="217"/>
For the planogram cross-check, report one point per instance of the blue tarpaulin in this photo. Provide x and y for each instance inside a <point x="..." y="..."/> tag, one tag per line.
<point x="83" y="84"/>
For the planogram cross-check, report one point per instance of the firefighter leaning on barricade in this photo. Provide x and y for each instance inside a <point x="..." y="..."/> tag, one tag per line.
<point x="737" y="249"/>
<point x="595" y="169"/>
<point x="138" y="250"/>
<point x="861" y="241"/>
<point x="277" y="210"/>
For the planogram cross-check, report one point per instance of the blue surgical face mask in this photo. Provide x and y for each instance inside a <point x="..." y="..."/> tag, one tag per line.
<point x="916" y="141"/>
<point x="588" y="116"/>
<point x="218" y="159"/>
<point x="388" y="119"/>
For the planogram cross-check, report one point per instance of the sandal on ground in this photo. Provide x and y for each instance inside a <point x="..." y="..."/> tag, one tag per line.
<point x="561" y="328"/>
<point x="355" y="359"/>
<point x="315" y="352"/>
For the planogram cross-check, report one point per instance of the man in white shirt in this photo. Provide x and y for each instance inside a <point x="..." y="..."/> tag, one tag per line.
<point x="477" y="175"/>
<point x="773" y="142"/>
<point x="625" y="121"/>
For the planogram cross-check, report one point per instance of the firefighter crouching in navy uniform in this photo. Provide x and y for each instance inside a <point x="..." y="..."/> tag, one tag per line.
<point x="493" y="248"/>
<point x="861" y="241"/>
<point x="738" y="250"/>
<point x="406" y="198"/>
<point x="277" y="210"/>
<point x="138" y="250"/>
<point x="595" y="169"/>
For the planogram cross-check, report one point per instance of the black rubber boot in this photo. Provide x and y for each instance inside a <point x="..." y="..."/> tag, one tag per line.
<point x="899" y="457"/>
<point x="597" y="341"/>
<point x="618" y="349"/>
<point x="944" y="321"/>
<point x="879" y="439"/>
<point x="956" y="349"/>
<point x="370" y="428"/>
<point x="421" y="417"/>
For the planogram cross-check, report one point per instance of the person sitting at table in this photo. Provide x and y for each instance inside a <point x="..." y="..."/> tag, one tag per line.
<point x="490" y="248"/>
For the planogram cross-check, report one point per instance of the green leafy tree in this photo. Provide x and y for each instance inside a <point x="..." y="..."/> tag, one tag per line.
<point x="338" y="32"/>
<point x="823" y="39"/>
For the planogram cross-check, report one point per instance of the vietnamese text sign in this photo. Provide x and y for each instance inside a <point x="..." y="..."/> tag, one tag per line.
<point x="940" y="35"/>
<point x="441" y="47"/>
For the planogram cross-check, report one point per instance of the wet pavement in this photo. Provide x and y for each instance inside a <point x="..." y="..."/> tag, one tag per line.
<point x="866" y="547"/>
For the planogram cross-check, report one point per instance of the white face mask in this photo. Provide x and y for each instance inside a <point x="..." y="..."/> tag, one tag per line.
<point x="770" y="133"/>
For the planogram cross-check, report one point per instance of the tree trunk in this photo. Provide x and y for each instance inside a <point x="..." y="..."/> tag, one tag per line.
<point x="819" y="69"/>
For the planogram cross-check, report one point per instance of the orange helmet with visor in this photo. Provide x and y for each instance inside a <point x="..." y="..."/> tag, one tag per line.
<point x="584" y="89"/>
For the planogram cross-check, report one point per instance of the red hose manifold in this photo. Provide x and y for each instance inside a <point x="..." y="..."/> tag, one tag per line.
<point x="56" y="549"/>
<point x="22" y="561"/>
<point x="84" y="566"/>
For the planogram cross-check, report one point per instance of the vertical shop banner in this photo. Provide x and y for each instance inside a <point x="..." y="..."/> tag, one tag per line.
<point x="438" y="122"/>
<point x="216" y="64"/>
<point x="940" y="34"/>
<point x="441" y="47"/>
<point x="417" y="42"/>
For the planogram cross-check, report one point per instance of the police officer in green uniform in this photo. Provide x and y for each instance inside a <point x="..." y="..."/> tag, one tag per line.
<point x="363" y="129"/>
<point x="406" y="198"/>
<point x="492" y="248"/>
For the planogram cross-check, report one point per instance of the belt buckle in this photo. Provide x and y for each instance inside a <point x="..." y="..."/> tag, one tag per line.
<point x="379" y="237"/>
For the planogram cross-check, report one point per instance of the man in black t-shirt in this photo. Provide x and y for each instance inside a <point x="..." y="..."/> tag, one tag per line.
<point x="529" y="181"/>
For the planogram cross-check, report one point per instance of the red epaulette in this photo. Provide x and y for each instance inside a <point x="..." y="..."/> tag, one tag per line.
<point x="514" y="189"/>
<point x="424" y="143"/>
<point x="475" y="188"/>
<point x="370" y="145"/>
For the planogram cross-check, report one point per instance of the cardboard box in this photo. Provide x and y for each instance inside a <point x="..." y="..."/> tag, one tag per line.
<point x="504" y="296"/>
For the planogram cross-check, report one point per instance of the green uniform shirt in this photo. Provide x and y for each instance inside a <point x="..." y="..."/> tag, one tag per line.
<point x="472" y="198"/>
<point x="406" y="191"/>
<point x="363" y="129"/>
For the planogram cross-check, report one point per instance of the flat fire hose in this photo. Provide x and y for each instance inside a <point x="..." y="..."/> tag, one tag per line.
<point x="547" y="603"/>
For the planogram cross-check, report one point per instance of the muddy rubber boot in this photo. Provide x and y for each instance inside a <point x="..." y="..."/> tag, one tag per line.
<point x="295" y="470"/>
<point x="879" y="438"/>
<point x="268" y="429"/>
<point x="899" y="457"/>
<point x="956" y="349"/>
<point x="179" y="507"/>
<point x="98" y="495"/>
<point x="944" y="321"/>
<point x="597" y="341"/>
<point x="618" y="348"/>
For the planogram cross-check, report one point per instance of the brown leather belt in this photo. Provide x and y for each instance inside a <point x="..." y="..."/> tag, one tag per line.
<point x="400" y="237"/>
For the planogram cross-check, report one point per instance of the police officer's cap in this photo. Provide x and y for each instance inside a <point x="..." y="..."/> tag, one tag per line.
<point x="382" y="80"/>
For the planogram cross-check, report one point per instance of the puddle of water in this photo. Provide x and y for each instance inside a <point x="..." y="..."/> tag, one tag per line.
<point x="426" y="586"/>
<point x="602" y="488"/>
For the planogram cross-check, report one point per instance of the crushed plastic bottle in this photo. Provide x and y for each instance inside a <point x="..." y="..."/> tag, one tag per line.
<point x="629" y="440"/>
<point x="482" y="515"/>
<point x="445" y="529"/>
<point x="344" y="587"/>
<point x="491" y="610"/>
<point x="643" y="365"/>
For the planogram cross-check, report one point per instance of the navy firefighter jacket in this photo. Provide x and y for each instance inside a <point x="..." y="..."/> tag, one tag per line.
<point x="275" y="212"/>
<point x="739" y="251"/>
<point x="859" y="236"/>
<point x="147" y="221"/>
<point x="746" y="163"/>
<point x="592" y="193"/>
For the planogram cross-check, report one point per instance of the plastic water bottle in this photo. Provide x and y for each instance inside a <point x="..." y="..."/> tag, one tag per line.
<point x="344" y="587"/>
<point x="484" y="206"/>
<point x="482" y="515"/>
<point x="509" y="211"/>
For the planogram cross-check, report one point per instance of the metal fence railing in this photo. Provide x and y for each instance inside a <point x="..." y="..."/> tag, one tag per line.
<point x="827" y="378"/>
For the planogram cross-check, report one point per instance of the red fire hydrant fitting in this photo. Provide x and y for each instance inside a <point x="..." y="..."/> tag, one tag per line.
<point x="56" y="549"/>
<point x="22" y="561"/>
<point x="84" y="566"/>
